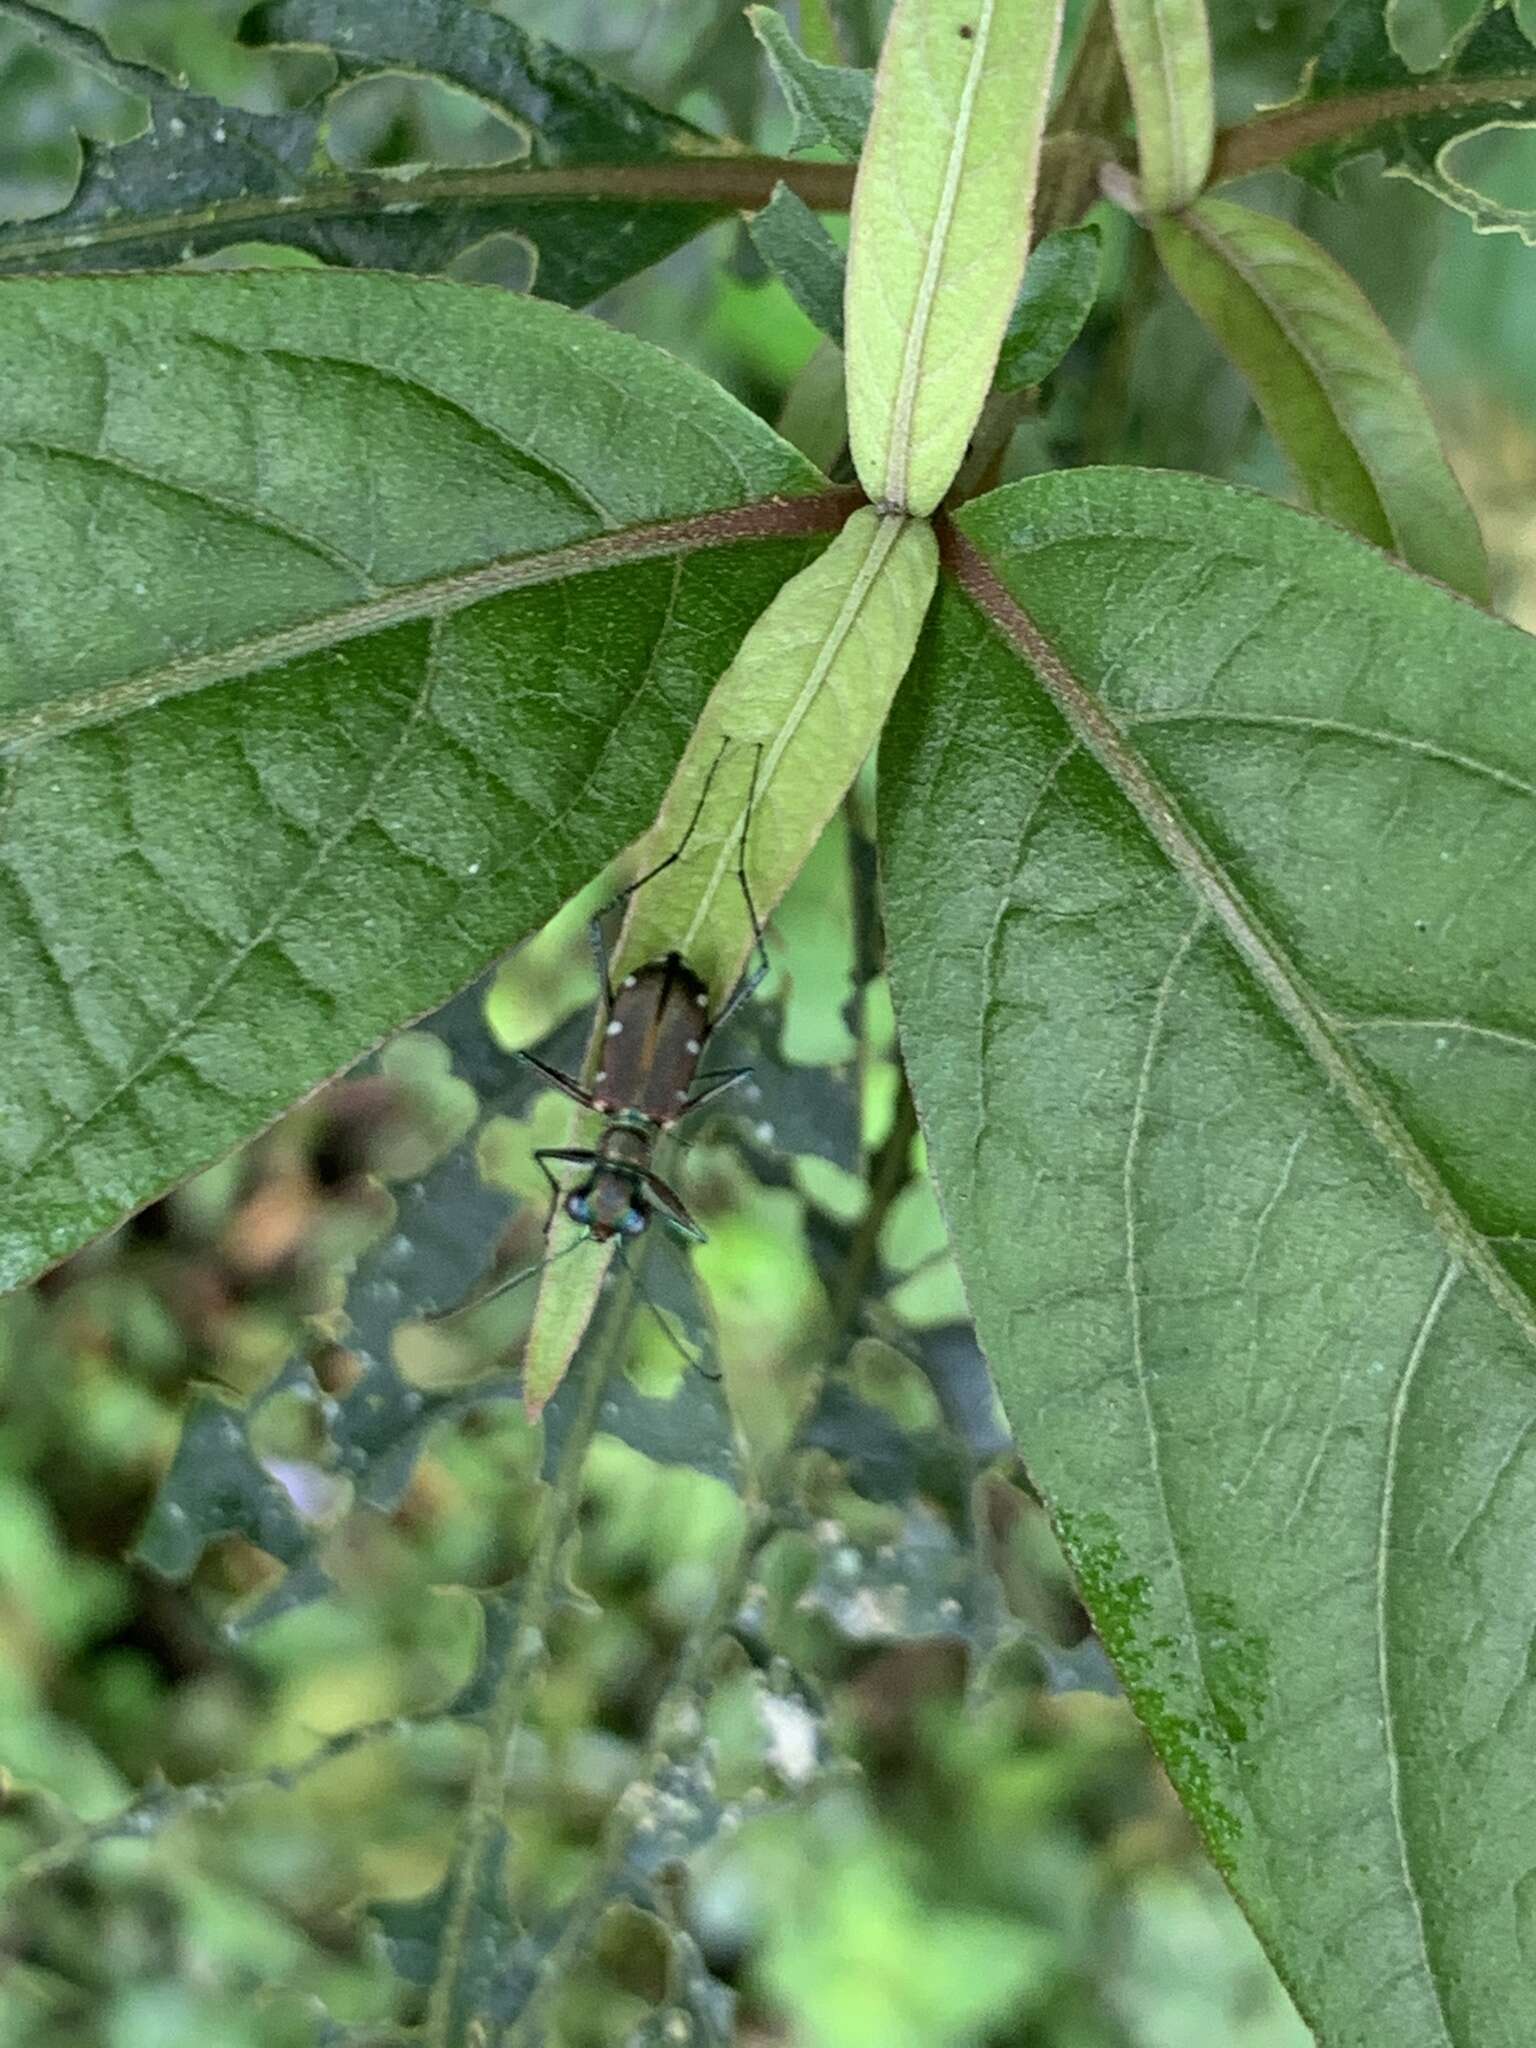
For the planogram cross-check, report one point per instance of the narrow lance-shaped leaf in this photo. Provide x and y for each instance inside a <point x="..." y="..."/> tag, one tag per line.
<point x="1165" y="47"/>
<point x="940" y="231"/>
<point x="789" y="725"/>
<point x="352" y="623"/>
<point x="1207" y="839"/>
<point x="830" y="103"/>
<point x="205" y="175"/>
<point x="1334" y="388"/>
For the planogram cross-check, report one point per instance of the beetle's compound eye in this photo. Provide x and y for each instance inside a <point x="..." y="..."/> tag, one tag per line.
<point x="578" y="1208"/>
<point x="632" y="1222"/>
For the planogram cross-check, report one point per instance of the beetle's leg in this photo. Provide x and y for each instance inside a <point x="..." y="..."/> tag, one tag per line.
<point x="564" y="1082"/>
<point x="670" y="1203"/>
<point x="752" y="980"/>
<point x="599" y="943"/>
<point x="714" y="1085"/>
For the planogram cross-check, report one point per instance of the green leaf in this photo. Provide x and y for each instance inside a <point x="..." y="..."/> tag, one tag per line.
<point x="1335" y="390"/>
<point x="789" y="725"/>
<point x="1207" y="893"/>
<point x="355" y="622"/>
<point x="940" y="230"/>
<point x="792" y="241"/>
<point x="785" y="731"/>
<point x="206" y="175"/>
<point x="1165" y="47"/>
<point x="1061" y="283"/>
<point x="831" y="103"/>
<point x="1416" y="120"/>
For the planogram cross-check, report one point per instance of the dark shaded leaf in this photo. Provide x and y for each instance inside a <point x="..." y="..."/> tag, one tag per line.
<point x="206" y="175"/>
<point x="793" y="243"/>
<point x="1492" y="76"/>
<point x="1060" y="286"/>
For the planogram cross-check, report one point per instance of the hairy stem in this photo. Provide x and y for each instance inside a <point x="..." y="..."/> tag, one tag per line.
<point x="1272" y="138"/>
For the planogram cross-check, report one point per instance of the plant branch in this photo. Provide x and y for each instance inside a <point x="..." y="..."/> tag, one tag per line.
<point x="681" y="1706"/>
<point x="162" y="1805"/>
<point x="485" y="1814"/>
<point x="1272" y="138"/>
<point x="889" y="1171"/>
<point x="720" y="181"/>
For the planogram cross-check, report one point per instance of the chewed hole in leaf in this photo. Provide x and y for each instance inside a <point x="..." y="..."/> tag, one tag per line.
<point x="397" y="119"/>
<point x="49" y="105"/>
<point x="1498" y="165"/>
<point x="505" y="259"/>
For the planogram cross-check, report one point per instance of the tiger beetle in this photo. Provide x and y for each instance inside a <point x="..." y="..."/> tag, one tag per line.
<point x="656" y="1027"/>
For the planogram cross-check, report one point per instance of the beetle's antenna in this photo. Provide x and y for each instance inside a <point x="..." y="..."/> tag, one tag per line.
<point x="666" y="1329"/>
<point x="506" y="1285"/>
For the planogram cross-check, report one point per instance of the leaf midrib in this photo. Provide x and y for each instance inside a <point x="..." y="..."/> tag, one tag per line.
<point x="435" y="597"/>
<point x="1276" y="972"/>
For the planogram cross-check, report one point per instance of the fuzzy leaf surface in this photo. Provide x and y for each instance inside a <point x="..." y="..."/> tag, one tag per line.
<point x="831" y="103"/>
<point x="352" y="624"/>
<point x="1335" y="390"/>
<point x="1207" y="840"/>
<point x="939" y="233"/>
<point x="792" y="241"/>
<point x="1165" y="46"/>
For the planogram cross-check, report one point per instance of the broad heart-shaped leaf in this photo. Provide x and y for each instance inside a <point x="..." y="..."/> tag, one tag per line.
<point x="1335" y="390"/>
<point x="204" y="175"/>
<point x="1208" y="852"/>
<point x="939" y="232"/>
<point x="352" y="623"/>
<point x="1415" y="119"/>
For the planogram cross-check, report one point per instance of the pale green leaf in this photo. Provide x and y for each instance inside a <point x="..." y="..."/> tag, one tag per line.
<point x="788" y="726"/>
<point x="793" y="242"/>
<point x="1061" y="283"/>
<point x="1334" y="388"/>
<point x="830" y="102"/>
<point x="940" y="230"/>
<point x="1207" y="838"/>
<point x="1165" y="46"/>
<point x="352" y="623"/>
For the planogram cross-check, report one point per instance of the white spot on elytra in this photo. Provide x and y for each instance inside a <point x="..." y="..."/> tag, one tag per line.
<point x="629" y="981"/>
<point x="694" y="1045"/>
<point x="701" y="999"/>
<point x="615" y="1028"/>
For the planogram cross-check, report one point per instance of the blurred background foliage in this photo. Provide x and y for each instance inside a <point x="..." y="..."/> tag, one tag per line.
<point x="944" y="1826"/>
